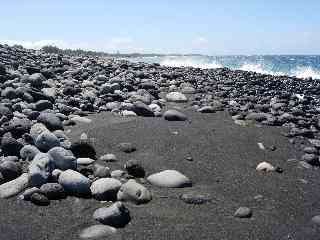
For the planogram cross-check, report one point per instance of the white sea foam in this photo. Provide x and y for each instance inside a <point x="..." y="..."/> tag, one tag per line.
<point x="306" y="72"/>
<point x="258" y="68"/>
<point x="189" y="62"/>
<point x="178" y="61"/>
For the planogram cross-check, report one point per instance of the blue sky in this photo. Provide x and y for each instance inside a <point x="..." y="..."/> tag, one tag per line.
<point x="178" y="26"/>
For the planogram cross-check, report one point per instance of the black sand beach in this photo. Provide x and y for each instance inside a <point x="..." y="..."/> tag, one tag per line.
<point x="225" y="156"/>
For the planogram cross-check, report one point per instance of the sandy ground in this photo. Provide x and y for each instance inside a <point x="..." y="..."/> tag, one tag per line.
<point x="225" y="156"/>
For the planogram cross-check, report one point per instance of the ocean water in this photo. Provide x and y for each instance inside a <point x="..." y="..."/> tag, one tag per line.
<point x="302" y="66"/>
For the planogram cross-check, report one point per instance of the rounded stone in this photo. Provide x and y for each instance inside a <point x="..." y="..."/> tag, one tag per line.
<point x="101" y="171"/>
<point x="43" y="105"/>
<point x="134" y="192"/>
<point x="174" y="115"/>
<point x="74" y="183"/>
<point x="169" y="179"/>
<point x="47" y="140"/>
<point x="39" y="199"/>
<point x="62" y="158"/>
<point x="108" y="158"/>
<point x="117" y="215"/>
<point x="176" y="97"/>
<point x="40" y="169"/>
<point x="10" y="146"/>
<point x="126" y="147"/>
<point x="37" y="129"/>
<point x="97" y="232"/>
<point x="311" y="158"/>
<point x="105" y="189"/>
<point x="50" y="120"/>
<point x="243" y="212"/>
<point x="53" y="191"/>
<point x="265" y="167"/>
<point x="134" y="168"/>
<point x="195" y="198"/>
<point x="83" y="149"/>
<point x="10" y="170"/>
<point x="85" y="161"/>
<point x="26" y="195"/>
<point x="28" y="152"/>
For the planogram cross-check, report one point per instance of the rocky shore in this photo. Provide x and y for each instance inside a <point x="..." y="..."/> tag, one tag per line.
<point x="58" y="142"/>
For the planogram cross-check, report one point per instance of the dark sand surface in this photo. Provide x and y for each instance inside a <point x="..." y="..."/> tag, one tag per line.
<point x="225" y="157"/>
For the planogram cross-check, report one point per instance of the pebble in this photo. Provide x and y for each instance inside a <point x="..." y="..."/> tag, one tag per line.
<point x="134" y="168"/>
<point x="117" y="215"/>
<point x="126" y="147"/>
<point x="98" y="231"/>
<point x="174" y="115"/>
<point x="170" y="179"/>
<point x="39" y="199"/>
<point x="265" y="167"/>
<point x="134" y="192"/>
<point x="85" y="161"/>
<point x="108" y="158"/>
<point x="105" y="189"/>
<point x="243" y="212"/>
<point x="53" y="191"/>
<point x="26" y="195"/>
<point x="176" y="97"/>
<point x="195" y="198"/>
<point x="101" y="171"/>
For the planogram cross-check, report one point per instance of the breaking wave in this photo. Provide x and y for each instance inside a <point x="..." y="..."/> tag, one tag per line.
<point x="189" y="62"/>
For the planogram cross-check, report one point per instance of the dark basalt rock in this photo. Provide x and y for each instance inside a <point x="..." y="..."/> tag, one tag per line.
<point x="50" y="120"/>
<point x="10" y="146"/>
<point x="134" y="168"/>
<point x="83" y="149"/>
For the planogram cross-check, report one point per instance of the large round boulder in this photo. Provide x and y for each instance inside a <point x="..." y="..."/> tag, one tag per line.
<point x="74" y="183"/>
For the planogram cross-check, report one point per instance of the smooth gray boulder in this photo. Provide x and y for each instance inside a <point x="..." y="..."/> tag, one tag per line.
<point x="117" y="215"/>
<point x="170" y="179"/>
<point x="14" y="187"/>
<point x="62" y="158"/>
<point x="105" y="189"/>
<point x="134" y="192"/>
<point x="40" y="169"/>
<point x="74" y="183"/>
<point x="50" y="120"/>
<point x="37" y="129"/>
<point x="47" y="140"/>
<point x="28" y="152"/>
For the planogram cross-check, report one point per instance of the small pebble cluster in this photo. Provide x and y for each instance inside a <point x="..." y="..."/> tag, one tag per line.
<point x="43" y="93"/>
